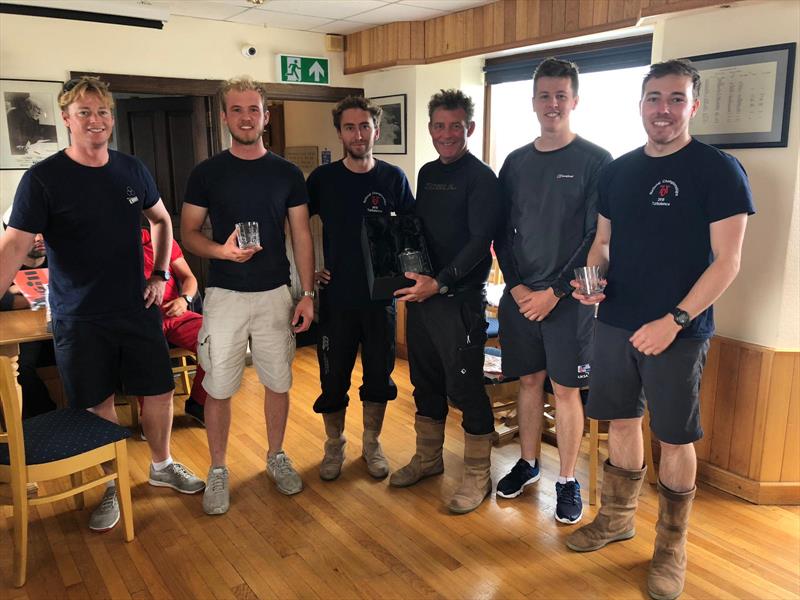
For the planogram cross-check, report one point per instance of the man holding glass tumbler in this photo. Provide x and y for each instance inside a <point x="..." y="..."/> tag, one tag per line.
<point x="248" y="297"/>
<point x="550" y="192"/>
<point x="457" y="202"/>
<point x="678" y="211"/>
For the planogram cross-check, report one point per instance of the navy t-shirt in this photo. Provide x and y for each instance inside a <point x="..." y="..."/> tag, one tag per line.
<point x="235" y="190"/>
<point x="342" y="198"/>
<point x="90" y="218"/>
<point x="660" y="211"/>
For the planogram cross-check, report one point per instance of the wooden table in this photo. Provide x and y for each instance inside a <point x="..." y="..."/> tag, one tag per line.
<point x="18" y="327"/>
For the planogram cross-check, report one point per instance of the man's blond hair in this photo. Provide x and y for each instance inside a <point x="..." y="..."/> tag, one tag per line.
<point x="75" y="88"/>
<point x="242" y="84"/>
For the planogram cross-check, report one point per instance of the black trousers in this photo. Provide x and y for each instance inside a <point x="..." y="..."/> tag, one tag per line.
<point x="446" y="336"/>
<point x="340" y="333"/>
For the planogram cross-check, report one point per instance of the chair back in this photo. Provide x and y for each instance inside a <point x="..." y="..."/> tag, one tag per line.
<point x="11" y="417"/>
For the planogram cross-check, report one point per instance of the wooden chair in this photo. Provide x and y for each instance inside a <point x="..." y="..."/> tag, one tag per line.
<point x="53" y="445"/>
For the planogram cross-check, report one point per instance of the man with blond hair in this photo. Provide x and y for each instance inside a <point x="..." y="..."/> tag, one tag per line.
<point x="248" y="298"/>
<point x="88" y="200"/>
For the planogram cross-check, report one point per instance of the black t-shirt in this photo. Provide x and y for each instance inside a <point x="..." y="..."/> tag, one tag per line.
<point x="236" y="190"/>
<point x="90" y="218"/>
<point x="342" y="198"/>
<point x="459" y="205"/>
<point x="660" y="211"/>
<point x="550" y="213"/>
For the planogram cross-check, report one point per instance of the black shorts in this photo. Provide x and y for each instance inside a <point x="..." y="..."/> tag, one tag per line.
<point x="560" y="344"/>
<point x="623" y="379"/>
<point x="127" y="354"/>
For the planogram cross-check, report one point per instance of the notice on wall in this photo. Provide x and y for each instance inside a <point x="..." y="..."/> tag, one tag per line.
<point x="736" y="99"/>
<point x="305" y="157"/>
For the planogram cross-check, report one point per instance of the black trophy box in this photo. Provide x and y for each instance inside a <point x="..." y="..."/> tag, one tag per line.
<point x="383" y="238"/>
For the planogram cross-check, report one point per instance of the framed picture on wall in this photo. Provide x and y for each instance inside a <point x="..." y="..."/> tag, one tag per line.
<point x="31" y="128"/>
<point x="393" y="125"/>
<point x="745" y="97"/>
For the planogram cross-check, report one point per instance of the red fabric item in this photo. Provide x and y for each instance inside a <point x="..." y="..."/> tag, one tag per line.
<point x="171" y="289"/>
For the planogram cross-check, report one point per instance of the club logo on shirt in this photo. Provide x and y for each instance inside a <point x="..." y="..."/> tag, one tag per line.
<point x="664" y="192"/>
<point x="131" y="195"/>
<point x="565" y="176"/>
<point x="584" y="370"/>
<point x="375" y="202"/>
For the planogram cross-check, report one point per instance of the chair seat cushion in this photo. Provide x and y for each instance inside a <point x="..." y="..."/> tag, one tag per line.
<point x="63" y="433"/>
<point x="494" y="328"/>
<point x="491" y="351"/>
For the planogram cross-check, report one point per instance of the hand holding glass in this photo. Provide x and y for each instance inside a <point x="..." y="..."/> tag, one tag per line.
<point x="590" y="282"/>
<point x="247" y="234"/>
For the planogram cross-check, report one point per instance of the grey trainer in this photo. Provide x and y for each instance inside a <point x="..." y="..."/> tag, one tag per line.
<point x="177" y="477"/>
<point x="281" y="471"/>
<point x="106" y="515"/>
<point x="217" y="497"/>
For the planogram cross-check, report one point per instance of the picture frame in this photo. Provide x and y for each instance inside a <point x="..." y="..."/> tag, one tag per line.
<point x="31" y="128"/>
<point x="393" y="137"/>
<point x="745" y="97"/>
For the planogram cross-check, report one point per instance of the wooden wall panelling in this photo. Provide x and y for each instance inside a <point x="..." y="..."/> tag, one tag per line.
<point x="790" y="470"/>
<point x="760" y="416"/>
<point x="741" y="440"/>
<point x="559" y="16"/>
<point x="777" y="416"/>
<point x="503" y="25"/>
<point x="727" y="381"/>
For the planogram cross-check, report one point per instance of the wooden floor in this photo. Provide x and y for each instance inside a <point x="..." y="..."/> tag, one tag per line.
<point x="359" y="538"/>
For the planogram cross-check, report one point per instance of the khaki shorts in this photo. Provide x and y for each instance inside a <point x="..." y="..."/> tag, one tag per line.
<point x="230" y="320"/>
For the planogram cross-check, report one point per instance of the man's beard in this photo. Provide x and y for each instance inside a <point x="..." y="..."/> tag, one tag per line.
<point x="245" y="141"/>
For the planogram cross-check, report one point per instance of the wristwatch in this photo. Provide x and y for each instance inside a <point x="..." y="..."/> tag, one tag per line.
<point x="443" y="289"/>
<point x="159" y="273"/>
<point x="681" y="317"/>
<point x="188" y="298"/>
<point x="559" y="293"/>
<point x="309" y="294"/>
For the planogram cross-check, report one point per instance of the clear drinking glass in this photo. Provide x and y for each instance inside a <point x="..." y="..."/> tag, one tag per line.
<point x="590" y="280"/>
<point x="247" y="234"/>
<point x="411" y="261"/>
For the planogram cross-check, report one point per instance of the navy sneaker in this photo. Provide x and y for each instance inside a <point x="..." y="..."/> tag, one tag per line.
<point x="569" y="507"/>
<point x="521" y="474"/>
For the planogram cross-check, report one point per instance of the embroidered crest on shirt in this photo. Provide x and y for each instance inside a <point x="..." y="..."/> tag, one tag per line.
<point x="131" y="195"/>
<point x="375" y="202"/>
<point x="664" y="192"/>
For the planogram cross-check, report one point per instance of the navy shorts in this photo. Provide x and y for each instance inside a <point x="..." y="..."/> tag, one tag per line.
<point x="126" y="354"/>
<point x="560" y="344"/>
<point x="623" y="379"/>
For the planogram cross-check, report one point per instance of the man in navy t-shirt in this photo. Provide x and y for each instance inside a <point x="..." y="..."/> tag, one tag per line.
<point x="343" y="193"/>
<point x="672" y="217"/>
<point x="248" y="298"/>
<point x="88" y="201"/>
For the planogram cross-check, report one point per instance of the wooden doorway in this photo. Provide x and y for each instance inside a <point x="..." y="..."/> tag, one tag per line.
<point x="170" y="135"/>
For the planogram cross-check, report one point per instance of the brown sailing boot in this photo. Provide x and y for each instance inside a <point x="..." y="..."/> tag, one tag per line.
<point x="477" y="481"/>
<point x="614" y="521"/>
<point x="668" y="567"/>
<point x="377" y="466"/>
<point x="428" y="459"/>
<point x="332" y="462"/>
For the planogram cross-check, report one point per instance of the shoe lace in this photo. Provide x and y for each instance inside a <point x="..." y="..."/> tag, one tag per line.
<point x="182" y="471"/>
<point x="217" y="480"/>
<point x="108" y="499"/>
<point x="566" y="493"/>
<point x="283" y="464"/>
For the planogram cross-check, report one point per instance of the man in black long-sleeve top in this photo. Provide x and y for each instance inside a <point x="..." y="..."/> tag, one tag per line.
<point x="457" y="201"/>
<point x="549" y="196"/>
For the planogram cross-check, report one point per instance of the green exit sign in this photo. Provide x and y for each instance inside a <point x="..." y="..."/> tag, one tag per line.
<point x="303" y="69"/>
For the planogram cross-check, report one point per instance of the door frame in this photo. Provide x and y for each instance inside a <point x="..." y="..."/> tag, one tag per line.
<point x="208" y="88"/>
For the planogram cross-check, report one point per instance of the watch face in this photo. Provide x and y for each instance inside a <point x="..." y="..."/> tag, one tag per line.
<point x="681" y="317"/>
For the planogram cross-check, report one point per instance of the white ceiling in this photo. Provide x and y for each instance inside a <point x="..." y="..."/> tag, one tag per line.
<point x="320" y="16"/>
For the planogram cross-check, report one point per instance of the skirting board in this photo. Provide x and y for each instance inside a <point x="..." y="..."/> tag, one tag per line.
<point x="757" y="492"/>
